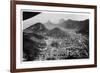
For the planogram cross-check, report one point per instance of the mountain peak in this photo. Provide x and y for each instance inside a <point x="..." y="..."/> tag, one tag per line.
<point x="57" y="33"/>
<point x="36" y="28"/>
<point x="37" y="25"/>
<point x="61" y="21"/>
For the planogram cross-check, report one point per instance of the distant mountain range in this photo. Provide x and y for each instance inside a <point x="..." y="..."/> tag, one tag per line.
<point x="41" y="30"/>
<point x="77" y="26"/>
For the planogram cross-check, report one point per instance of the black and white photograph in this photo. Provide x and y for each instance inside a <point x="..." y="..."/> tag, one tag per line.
<point x="52" y="36"/>
<point x="49" y="36"/>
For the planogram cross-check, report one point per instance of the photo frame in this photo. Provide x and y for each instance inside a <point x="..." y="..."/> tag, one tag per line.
<point x="52" y="36"/>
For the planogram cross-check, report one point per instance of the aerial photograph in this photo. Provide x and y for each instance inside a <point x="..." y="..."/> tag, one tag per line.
<point x="49" y="36"/>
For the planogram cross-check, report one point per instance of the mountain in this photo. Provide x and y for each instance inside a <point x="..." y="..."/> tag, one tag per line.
<point x="78" y="26"/>
<point x="40" y="30"/>
<point x="36" y="28"/>
<point x="57" y="33"/>
<point x="84" y="28"/>
<point x="50" y="25"/>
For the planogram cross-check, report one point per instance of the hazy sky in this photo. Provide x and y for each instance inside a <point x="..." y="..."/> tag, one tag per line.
<point x="52" y="17"/>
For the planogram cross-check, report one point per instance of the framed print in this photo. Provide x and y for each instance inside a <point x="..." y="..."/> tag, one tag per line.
<point x="52" y="36"/>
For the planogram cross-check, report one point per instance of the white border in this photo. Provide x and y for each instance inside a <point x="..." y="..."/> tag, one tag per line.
<point x="37" y="64"/>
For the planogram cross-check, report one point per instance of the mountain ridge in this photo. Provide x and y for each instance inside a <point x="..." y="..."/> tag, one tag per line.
<point x="77" y="26"/>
